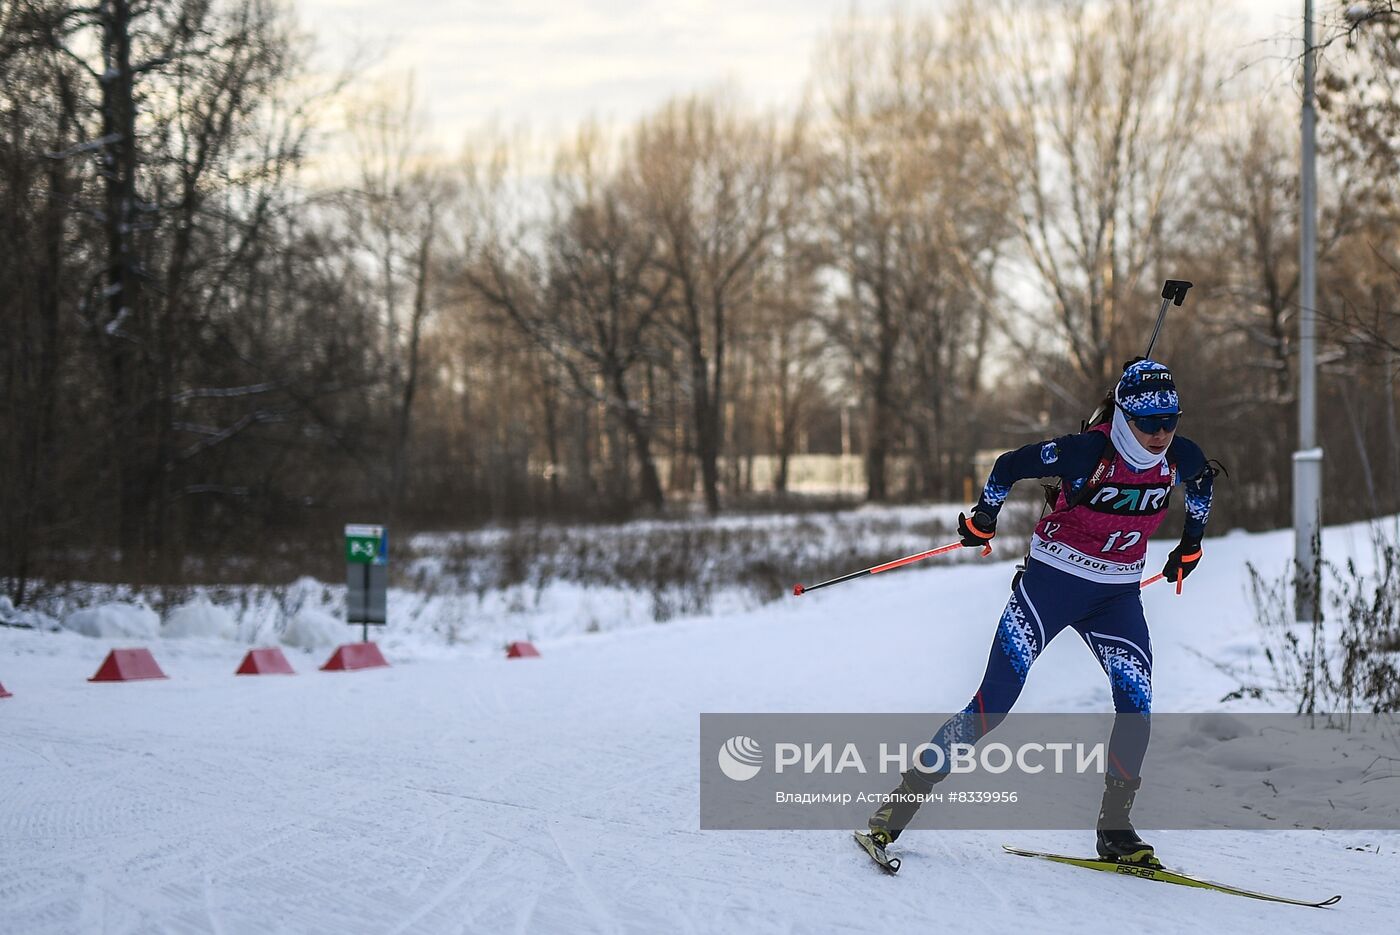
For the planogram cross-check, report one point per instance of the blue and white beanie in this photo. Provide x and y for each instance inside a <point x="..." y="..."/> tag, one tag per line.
<point x="1147" y="389"/>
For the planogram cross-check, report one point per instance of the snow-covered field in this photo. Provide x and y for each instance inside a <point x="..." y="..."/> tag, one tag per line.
<point x="458" y="791"/>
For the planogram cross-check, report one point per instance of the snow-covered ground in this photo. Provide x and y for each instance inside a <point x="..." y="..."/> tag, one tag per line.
<point x="460" y="791"/>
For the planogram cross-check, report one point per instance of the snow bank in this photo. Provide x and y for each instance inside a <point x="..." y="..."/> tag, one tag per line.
<point x="115" y="620"/>
<point x="313" y="629"/>
<point x="28" y="617"/>
<point x="200" y="618"/>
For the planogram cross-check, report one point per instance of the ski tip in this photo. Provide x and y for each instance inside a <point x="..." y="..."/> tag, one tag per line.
<point x="797" y="590"/>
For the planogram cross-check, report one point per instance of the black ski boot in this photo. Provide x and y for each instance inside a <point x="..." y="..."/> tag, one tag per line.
<point x="1117" y="839"/>
<point x="894" y="816"/>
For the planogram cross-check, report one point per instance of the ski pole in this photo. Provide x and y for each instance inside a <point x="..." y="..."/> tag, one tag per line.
<point x="799" y="590"/>
<point x="1158" y="577"/>
<point x="1174" y="292"/>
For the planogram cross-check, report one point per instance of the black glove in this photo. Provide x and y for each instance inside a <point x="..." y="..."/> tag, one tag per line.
<point x="977" y="531"/>
<point x="1182" y="560"/>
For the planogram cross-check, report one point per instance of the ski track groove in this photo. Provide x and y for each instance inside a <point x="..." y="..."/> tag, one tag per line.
<point x="526" y="913"/>
<point x="38" y="754"/>
<point x="451" y="888"/>
<point x="971" y="862"/>
<point x="107" y="824"/>
<point x="214" y="925"/>
<point x="606" y="921"/>
<point x="438" y="839"/>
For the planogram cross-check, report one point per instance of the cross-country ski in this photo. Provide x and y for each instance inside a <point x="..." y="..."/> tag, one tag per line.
<point x="1155" y="871"/>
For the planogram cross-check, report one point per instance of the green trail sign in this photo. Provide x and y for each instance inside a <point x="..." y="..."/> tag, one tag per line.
<point x="366" y="545"/>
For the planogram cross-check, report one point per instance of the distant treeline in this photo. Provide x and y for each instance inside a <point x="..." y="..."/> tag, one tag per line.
<point x="209" y="349"/>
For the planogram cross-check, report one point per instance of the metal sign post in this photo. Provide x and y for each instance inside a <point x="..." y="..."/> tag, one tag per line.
<point x="366" y="576"/>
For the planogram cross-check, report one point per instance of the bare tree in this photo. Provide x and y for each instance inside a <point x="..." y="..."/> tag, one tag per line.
<point x="916" y="227"/>
<point x="38" y="112"/>
<point x="396" y="208"/>
<point x="592" y="295"/>
<point x="163" y="108"/>
<point x="1095" y="108"/>
<point x="1242" y="227"/>
<point x="712" y="176"/>
<point x="786" y="343"/>
<point x="167" y="137"/>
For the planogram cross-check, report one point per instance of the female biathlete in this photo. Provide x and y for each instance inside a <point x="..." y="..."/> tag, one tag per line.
<point x="1084" y="572"/>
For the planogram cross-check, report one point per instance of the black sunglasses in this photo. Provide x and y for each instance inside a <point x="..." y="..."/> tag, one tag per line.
<point x="1151" y="425"/>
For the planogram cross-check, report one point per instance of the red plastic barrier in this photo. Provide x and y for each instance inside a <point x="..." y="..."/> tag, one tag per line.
<point x="355" y="656"/>
<point x="128" y="665"/>
<point x="521" y="650"/>
<point x="4" y="694"/>
<point x="267" y="661"/>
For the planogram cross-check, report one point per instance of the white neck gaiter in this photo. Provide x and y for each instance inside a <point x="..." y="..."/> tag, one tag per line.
<point x="1127" y="445"/>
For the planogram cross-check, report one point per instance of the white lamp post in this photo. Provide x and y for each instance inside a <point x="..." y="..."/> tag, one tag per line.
<point x="1307" y="460"/>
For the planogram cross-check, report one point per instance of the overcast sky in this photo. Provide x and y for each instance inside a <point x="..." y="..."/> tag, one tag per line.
<point x="549" y="64"/>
